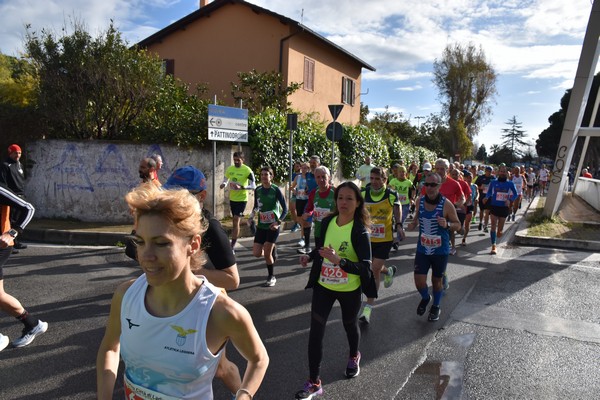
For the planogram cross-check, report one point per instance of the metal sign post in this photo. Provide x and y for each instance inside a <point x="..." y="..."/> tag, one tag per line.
<point x="292" y="125"/>
<point x="225" y="124"/>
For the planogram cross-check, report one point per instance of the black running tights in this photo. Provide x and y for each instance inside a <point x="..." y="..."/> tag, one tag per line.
<point x="322" y="303"/>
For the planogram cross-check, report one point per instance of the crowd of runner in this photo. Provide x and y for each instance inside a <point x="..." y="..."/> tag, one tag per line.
<point x="352" y="228"/>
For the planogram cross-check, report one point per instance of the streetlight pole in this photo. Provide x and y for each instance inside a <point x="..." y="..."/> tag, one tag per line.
<point x="418" y="122"/>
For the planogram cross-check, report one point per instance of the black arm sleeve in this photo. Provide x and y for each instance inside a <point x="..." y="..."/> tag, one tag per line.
<point x="281" y="201"/>
<point x="8" y="198"/>
<point x="216" y="245"/>
<point x="362" y="246"/>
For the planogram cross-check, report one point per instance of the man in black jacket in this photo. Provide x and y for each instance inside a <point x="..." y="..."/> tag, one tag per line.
<point x="32" y="326"/>
<point x="12" y="177"/>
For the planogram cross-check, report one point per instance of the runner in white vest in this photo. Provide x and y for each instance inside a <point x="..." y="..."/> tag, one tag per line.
<point x="170" y="326"/>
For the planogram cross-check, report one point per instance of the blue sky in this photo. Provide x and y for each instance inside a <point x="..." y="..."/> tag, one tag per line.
<point x="534" y="45"/>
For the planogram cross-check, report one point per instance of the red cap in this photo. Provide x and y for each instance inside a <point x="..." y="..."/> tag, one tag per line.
<point x="13" y="147"/>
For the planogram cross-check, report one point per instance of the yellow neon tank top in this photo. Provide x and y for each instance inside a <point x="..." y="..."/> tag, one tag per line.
<point x="332" y="276"/>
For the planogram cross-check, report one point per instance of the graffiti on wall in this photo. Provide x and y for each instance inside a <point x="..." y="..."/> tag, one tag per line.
<point x="559" y="164"/>
<point x="72" y="170"/>
<point x="111" y="169"/>
<point x="88" y="180"/>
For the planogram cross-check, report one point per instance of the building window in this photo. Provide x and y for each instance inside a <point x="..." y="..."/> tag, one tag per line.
<point x="168" y="67"/>
<point x="309" y="74"/>
<point x="348" y="91"/>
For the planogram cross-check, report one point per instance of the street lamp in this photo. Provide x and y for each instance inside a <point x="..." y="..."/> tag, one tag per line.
<point x="419" y="122"/>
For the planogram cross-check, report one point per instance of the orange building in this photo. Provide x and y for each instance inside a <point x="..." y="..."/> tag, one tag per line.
<point x="224" y="37"/>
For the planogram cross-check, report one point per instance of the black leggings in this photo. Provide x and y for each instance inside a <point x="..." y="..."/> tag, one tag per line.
<point x="322" y="303"/>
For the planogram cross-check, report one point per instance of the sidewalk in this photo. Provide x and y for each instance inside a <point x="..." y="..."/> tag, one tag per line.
<point x="583" y="232"/>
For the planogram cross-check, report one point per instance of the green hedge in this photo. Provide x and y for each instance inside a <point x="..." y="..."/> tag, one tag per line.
<point x="269" y="142"/>
<point x="359" y="142"/>
<point x="270" y="138"/>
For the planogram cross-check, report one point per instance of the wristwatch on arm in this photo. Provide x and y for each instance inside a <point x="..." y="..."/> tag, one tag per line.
<point x="13" y="233"/>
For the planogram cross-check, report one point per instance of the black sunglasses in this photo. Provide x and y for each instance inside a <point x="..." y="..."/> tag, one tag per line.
<point x="431" y="184"/>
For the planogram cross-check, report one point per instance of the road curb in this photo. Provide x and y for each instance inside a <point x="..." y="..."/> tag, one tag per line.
<point x="79" y="238"/>
<point x="91" y="238"/>
<point x="522" y="239"/>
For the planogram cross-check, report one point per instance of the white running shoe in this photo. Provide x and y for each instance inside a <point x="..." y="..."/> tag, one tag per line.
<point x="270" y="282"/>
<point x="4" y="341"/>
<point x="28" y="336"/>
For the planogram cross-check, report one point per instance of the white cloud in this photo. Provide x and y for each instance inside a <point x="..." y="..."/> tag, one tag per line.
<point x="533" y="44"/>
<point x="396" y="75"/>
<point x="390" y="109"/>
<point x="524" y="37"/>
<point x="550" y="18"/>
<point x="409" y="88"/>
<point x="54" y="15"/>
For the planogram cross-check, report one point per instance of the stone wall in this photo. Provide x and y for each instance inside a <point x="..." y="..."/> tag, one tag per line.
<point x="87" y="180"/>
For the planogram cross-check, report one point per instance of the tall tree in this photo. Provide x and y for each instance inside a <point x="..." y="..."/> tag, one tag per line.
<point x="17" y="82"/>
<point x="547" y="142"/>
<point x="392" y="125"/>
<point x="466" y="84"/>
<point x="431" y="134"/>
<point x="263" y="90"/>
<point x="481" y="153"/>
<point x="19" y="119"/>
<point x="500" y="154"/>
<point x="91" y="87"/>
<point x="364" y="114"/>
<point x="514" y="138"/>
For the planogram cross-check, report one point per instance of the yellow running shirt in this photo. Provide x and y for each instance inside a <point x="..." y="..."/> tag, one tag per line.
<point x="332" y="276"/>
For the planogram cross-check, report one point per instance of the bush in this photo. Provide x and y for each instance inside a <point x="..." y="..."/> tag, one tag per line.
<point x="400" y="151"/>
<point x="357" y="143"/>
<point x="173" y="116"/>
<point x="270" y="141"/>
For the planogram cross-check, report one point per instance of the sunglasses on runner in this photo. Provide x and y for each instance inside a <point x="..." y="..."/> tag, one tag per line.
<point x="431" y="184"/>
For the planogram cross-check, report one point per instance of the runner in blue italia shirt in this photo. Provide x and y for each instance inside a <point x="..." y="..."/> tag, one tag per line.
<point x="436" y="216"/>
<point x="501" y="193"/>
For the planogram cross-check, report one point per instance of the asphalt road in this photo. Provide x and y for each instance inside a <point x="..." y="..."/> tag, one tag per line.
<point x="520" y="325"/>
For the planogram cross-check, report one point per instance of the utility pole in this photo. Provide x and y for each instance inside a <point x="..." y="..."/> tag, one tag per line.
<point x="419" y="122"/>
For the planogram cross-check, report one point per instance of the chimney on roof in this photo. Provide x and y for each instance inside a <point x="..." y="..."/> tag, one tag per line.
<point x="203" y="3"/>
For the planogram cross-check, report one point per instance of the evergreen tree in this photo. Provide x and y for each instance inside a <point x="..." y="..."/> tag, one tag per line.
<point x="481" y="153"/>
<point x="514" y="138"/>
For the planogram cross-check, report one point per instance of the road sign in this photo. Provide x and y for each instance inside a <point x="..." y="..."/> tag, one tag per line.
<point x="335" y="110"/>
<point x="227" y="124"/>
<point x="292" y="122"/>
<point x="334" y="131"/>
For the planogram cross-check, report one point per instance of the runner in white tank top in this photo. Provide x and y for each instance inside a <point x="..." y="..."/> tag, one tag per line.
<point x="170" y="326"/>
<point x="519" y="182"/>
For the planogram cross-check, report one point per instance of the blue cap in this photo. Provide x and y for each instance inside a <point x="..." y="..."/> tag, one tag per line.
<point x="489" y="168"/>
<point x="188" y="178"/>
